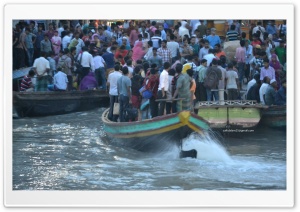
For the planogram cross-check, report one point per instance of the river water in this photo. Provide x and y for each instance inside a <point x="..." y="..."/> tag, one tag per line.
<point x="72" y="152"/>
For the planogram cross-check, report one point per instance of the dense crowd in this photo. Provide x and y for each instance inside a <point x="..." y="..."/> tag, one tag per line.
<point x="139" y="62"/>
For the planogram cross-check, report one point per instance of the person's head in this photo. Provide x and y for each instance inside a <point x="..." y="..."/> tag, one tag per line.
<point x="154" y="66"/>
<point x="76" y="35"/>
<point x="117" y="67"/>
<point x="185" y="42"/>
<point x="129" y="62"/>
<point x="230" y="66"/>
<point x="137" y="70"/>
<point x="266" y="80"/>
<point x="178" y="68"/>
<point x="146" y="65"/>
<point x="164" y="44"/>
<point x="125" y="70"/>
<point x="50" y="54"/>
<point x="50" y="26"/>
<point x="150" y="43"/>
<point x="85" y="48"/>
<point x="73" y="50"/>
<point x="46" y="38"/>
<point x="189" y="58"/>
<point x="256" y="77"/>
<point x="213" y="31"/>
<point x="43" y="54"/>
<point x="31" y="73"/>
<point x="154" y="50"/>
<point x="281" y="43"/>
<point x="255" y="37"/>
<point x="66" y="51"/>
<point x="232" y="27"/>
<point x="214" y="62"/>
<point x="242" y="43"/>
<point x="58" y="69"/>
<point x="266" y="62"/>
<point x="160" y="27"/>
<point x="193" y="40"/>
<point x="153" y="23"/>
<point x="172" y="72"/>
<point x="204" y="62"/>
<point x="206" y="44"/>
<point x="172" y="37"/>
<point x="140" y="37"/>
<point x="244" y="35"/>
<point x="217" y="47"/>
<point x="27" y="30"/>
<point x="157" y="32"/>
<point x="211" y="51"/>
<point x="190" y="72"/>
<point x="273" y="83"/>
<point x="167" y="65"/>
<point x="153" y="71"/>
<point x="124" y="41"/>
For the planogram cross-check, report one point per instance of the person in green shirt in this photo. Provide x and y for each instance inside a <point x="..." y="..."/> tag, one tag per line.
<point x="281" y="52"/>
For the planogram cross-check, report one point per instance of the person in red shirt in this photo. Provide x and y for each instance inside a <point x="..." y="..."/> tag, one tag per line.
<point x="120" y="54"/>
<point x="26" y="84"/>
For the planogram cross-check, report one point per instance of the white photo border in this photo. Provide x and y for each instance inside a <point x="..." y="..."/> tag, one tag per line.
<point x="100" y="11"/>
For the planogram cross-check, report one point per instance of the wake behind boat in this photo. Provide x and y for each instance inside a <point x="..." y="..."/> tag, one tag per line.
<point x="154" y="134"/>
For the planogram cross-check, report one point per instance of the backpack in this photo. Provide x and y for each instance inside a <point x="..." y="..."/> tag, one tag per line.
<point x="211" y="80"/>
<point x="62" y="64"/>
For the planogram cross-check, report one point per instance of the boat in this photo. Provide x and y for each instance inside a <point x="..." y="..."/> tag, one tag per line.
<point x="274" y="116"/>
<point x="151" y="135"/>
<point x="238" y="114"/>
<point x="57" y="102"/>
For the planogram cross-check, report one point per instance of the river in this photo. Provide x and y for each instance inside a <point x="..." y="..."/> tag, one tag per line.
<point x="72" y="152"/>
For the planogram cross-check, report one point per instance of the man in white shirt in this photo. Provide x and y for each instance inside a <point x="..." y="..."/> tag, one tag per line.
<point x="156" y="39"/>
<point x="232" y="82"/>
<point x="60" y="81"/>
<point x="173" y="47"/>
<point x="263" y="89"/>
<point x="112" y="84"/>
<point x="66" y="40"/>
<point x="260" y="28"/>
<point x="149" y="52"/>
<point x="163" y="87"/>
<point x="210" y="56"/>
<point x="87" y="63"/>
<point x="100" y="65"/>
<point x="41" y="67"/>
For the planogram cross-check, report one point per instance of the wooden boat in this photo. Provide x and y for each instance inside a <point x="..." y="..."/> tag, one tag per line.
<point x="274" y="116"/>
<point x="154" y="134"/>
<point x="230" y="114"/>
<point x="54" y="103"/>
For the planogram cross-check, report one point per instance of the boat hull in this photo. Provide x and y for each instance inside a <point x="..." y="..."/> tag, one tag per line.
<point x="274" y="116"/>
<point x="159" y="133"/>
<point x="55" y="103"/>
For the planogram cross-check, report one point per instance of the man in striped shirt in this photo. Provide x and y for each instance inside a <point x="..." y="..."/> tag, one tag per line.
<point x="26" y="84"/>
<point x="232" y="34"/>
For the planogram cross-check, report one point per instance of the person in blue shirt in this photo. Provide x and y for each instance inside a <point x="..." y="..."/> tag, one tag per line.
<point x="213" y="39"/>
<point x="271" y="28"/>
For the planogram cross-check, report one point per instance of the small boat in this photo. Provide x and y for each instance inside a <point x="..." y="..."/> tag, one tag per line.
<point x="239" y="114"/>
<point x="154" y="134"/>
<point x="56" y="102"/>
<point x="274" y="116"/>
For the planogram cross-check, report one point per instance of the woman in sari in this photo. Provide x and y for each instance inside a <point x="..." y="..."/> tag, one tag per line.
<point x="138" y="52"/>
<point x="274" y="63"/>
<point x="56" y="43"/>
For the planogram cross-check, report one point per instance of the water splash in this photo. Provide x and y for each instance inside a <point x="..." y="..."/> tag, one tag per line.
<point x="208" y="147"/>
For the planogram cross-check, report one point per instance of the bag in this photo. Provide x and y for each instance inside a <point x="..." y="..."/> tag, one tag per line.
<point x="62" y="64"/>
<point x="116" y="108"/>
<point x="147" y="94"/>
<point x="130" y="113"/>
<point x="211" y="80"/>
<point x="79" y="67"/>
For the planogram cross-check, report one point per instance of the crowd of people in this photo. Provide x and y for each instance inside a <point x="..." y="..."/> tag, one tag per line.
<point x="184" y="61"/>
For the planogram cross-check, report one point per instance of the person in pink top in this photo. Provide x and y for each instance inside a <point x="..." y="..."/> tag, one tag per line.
<point x="56" y="42"/>
<point x="240" y="56"/>
<point x="138" y="52"/>
<point x="134" y="35"/>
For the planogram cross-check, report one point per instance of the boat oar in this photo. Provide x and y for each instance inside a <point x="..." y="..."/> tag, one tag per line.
<point x="168" y="100"/>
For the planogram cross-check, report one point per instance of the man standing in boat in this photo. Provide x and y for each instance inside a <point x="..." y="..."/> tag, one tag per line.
<point x="163" y="88"/>
<point x="124" y="90"/>
<point x="112" y="84"/>
<point x="41" y="68"/>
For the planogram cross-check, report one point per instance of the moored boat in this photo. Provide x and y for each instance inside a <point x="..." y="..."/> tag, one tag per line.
<point x="154" y="134"/>
<point x="242" y="114"/>
<point x="55" y="103"/>
<point x="274" y="116"/>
